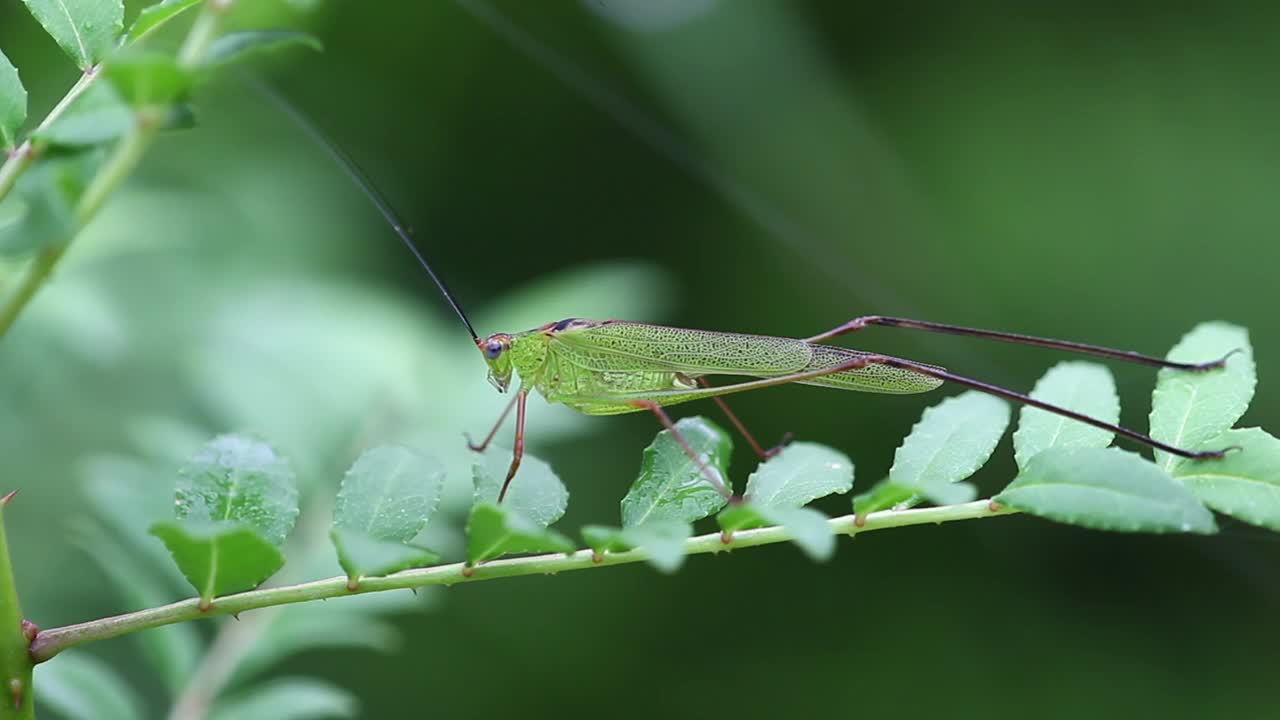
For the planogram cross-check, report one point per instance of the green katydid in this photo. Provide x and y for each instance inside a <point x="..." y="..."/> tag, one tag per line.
<point x="610" y="367"/>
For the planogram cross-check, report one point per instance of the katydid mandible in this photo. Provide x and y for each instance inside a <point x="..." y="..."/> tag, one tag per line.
<point x="610" y="367"/>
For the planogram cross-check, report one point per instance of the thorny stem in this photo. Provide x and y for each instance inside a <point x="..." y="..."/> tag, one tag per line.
<point x="123" y="159"/>
<point x="16" y="698"/>
<point x="53" y="641"/>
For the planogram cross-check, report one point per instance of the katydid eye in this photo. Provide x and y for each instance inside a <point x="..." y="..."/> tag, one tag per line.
<point x="493" y="349"/>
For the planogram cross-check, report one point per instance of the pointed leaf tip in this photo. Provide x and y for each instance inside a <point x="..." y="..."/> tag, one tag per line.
<point x="1106" y="489"/>
<point x="1244" y="484"/>
<point x="8" y="497"/>
<point x="1190" y="407"/>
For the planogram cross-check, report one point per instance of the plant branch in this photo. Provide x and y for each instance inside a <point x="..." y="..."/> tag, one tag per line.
<point x="21" y="157"/>
<point x="123" y="159"/>
<point x="15" y="663"/>
<point x="50" y="642"/>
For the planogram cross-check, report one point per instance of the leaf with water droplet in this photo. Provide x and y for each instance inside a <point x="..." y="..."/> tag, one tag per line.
<point x="1086" y="388"/>
<point x="13" y="103"/>
<point x="239" y="479"/>
<point x="495" y="530"/>
<point x="1106" y="489"/>
<point x="386" y="498"/>
<point x="951" y="442"/>
<point x="671" y="485"/>
<point x="1188" y="408"/>
<point x="84" y="29"/>
<point x="1244" y="484"/>
<point x="800" y="474"/>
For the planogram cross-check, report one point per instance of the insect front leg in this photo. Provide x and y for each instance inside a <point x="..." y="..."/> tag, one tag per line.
<point x="517" y="450"/>
<point x="480" y="447"/>
<point x="707" y="472"/>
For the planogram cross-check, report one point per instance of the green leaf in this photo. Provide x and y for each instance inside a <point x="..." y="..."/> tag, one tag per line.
<point x="1244" y="484"/>
<point x="78" y="685"/>
<point x="536" y="492"/>
<point x="952" y="440"/>
<point x="1188" y="408"/>
<point x="287" y="699"/>
<point x="1106" y="489"/>
<point x="236" y="46"/>
<point x="44" y="203"/>
<point x="238" y="479"/>
<point x="84" y="29"/>
<point x="671" y="486"/>
<point x="494" y="530"/>
<point x="153" y="16"/>
<point x="662" y="540"/>
<point x="1086" y="388"/>
<point x="386" y="499"/>
<point x="884" y="495"/>
<point x="808" y="529"/>
<point x="98" y="116"/>
<point x="363" y="556"/>
<point x="800" y="474"/>
<point x="13" y="103"/>
<point x="389" y="494"/>
<point x="219" y="558"/>
<point x="148" y="78"/>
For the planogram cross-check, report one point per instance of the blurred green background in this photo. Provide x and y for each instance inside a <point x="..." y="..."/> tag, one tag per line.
<point x="1079" y="170"/>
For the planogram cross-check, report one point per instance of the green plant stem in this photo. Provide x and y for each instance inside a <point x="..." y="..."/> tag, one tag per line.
<point x="16" y="698"/>
<point x="50" y="642"/>
<point x="123" y="159"/>
<point x="22" y="156"/>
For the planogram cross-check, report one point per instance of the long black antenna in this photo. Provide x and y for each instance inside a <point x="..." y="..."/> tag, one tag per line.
<point x="362" y="181"/>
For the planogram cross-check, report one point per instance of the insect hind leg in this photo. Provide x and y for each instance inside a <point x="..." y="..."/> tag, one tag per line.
<point x="710" y="474"/>
<point x="759" y="449"/>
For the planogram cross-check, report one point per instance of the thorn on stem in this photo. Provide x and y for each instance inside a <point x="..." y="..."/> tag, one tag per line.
<point x="236" y="616"/>
<point x="414" y="591"/>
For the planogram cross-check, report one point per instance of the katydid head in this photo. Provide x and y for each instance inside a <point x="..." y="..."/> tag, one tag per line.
<point x="495" y="350"/>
